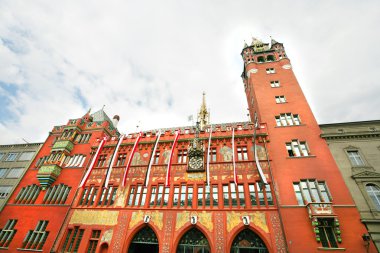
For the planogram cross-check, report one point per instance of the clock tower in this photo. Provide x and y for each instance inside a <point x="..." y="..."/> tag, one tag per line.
<point x="196" y="149"/>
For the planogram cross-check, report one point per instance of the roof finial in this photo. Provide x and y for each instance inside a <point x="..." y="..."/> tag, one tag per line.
<point x="272" y="41"/>
<point x="103" y="107"/>
<point x="203" y="114"/>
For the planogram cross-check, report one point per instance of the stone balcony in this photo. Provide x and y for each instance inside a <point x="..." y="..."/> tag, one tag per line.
<point x="320" y="209"/>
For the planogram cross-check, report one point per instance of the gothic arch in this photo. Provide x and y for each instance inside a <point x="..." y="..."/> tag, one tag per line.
<point x="260" y="59"/>
<point x="254" y="232"/>
<point x="132" y="236"/>
<point x="185" y="230"/>
<point x="103" y="248"/>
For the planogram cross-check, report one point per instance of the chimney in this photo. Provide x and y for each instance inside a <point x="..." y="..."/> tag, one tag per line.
<point x="115" y="120"/>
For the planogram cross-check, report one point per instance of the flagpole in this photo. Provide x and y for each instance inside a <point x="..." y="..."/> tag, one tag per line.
<point x="167" y="183"/>
<point x="233" y="156"/>
<point x="84" y="180"/>
<point x="208" y="158"/>
<point x="151" y="159"/>
<point x="109" y="171"/>
<point x="130" y="158"/>
<point x="259" y="169"/>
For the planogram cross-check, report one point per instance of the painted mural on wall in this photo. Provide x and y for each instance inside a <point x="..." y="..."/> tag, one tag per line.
<point x="226" y="152"/>
<point x="166" y="156"/>
<point x="261" y="154"/>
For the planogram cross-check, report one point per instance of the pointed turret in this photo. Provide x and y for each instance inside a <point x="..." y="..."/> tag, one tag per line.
<point x="272" y="41"/>
<point x="203" y="115"/>
<point x="87" y="116"/>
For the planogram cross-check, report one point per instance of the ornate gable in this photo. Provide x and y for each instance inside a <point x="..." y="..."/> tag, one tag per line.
<point x="366" y="174"/>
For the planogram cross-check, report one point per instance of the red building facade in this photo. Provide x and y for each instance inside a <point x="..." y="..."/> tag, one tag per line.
<point x="267" y="186"/>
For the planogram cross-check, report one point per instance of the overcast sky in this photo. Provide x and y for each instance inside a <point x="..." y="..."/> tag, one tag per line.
<point x="150" y="61"/>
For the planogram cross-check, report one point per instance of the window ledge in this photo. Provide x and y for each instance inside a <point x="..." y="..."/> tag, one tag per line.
<point x="34" y="250"/>
<point x="300" y="157"/>
<point x="331" y="249"/>
<point x="290" y="126"/>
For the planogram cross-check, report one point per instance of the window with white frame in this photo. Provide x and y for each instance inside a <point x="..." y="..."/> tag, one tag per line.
<point x="355" y="157"/>
<point x="26" y="156"/>
<point x="2" y="172"/>
<point x="76" y="160"/>
<point x="242" y="153"/>
<point x="1" y="156"/>
<point x="182" y="156"/>
<point x="280" y="99"/>
<point x="374" y="193"/>
<point x="15" y="173"/>
<point x="274" y="84"/>
<point x="270" y="70"/>
<point x="11" y="157"/>
<point x="288" y="119"/>
<point x="311" y="190"/>
<point x="297" y="148"/>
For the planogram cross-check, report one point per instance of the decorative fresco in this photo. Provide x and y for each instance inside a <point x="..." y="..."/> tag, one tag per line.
<point x="94" y="217"/>
<point x="204" y="218"/>
<point x="226" y="152"/>
<point x="107" y="236"/>
<point x="258" y="219"/>
<point x="261" y="154"/>
<point x="156" y="218"/>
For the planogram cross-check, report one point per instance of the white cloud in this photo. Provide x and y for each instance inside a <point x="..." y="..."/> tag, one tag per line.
<point x="151" y="61"/>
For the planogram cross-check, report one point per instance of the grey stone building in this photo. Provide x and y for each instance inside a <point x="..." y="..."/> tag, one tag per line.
<point x="14" y="161"/>
<point x="356" y="150"/>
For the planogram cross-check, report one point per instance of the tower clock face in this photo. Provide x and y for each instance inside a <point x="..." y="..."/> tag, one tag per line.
<point x="195" y="163"/>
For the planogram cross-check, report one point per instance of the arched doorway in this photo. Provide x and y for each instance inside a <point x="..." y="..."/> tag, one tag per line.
<point x="144" y="241"/>
<point x="248" y="242"/>
<point x="103" y="248"/>
<point x="193" y="241"/>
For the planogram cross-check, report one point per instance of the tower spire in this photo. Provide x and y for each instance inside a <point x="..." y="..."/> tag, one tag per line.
<point x="203" y="115"/>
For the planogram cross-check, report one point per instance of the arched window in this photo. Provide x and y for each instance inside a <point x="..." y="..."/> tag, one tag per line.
<point x="270" y="58"/>
<point x="193" y="241"/>
<point x="260" y="59"/>
<point x="144" y="241"/>
<point x="248" y="242"/>
<point x="374" y="193"/>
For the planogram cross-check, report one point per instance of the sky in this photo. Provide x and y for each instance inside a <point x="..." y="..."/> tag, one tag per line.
<point x="150" y="61"/>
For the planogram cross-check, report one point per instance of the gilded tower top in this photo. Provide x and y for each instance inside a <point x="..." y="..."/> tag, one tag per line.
<point x="203" y="115"/>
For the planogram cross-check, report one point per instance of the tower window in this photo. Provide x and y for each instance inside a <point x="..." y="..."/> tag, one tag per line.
<point x="270" y="70"/>
<point x="270" y="58"/>
<point x="242" y="154"/>
<point x="297" y="148"/>
<point x="156" y="157"/>
<point x="260" y="59"/>
<point x="182" y="156"/>
<point x="275" y="84"/>
<point x="288" y="119"/>
<point x="280" y="99"/>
